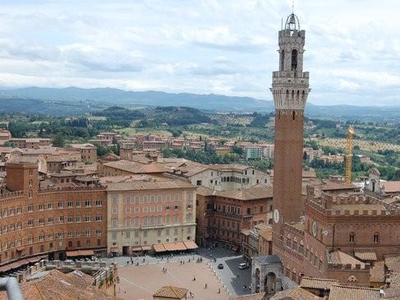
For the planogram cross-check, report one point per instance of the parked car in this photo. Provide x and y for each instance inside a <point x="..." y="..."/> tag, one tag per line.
<point x="243" y="266"/>
<point x="220" y="266"/>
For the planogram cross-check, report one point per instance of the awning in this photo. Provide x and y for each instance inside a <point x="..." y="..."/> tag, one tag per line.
<point x="146" y="248"/>
<point x="136" y="248"/>
<point x="175" y="246"/>
<point x="35" y="259"/>
<point x="159" y="248"/>
<point x="80" y="253"/>
<point x="114" y="249"/>
<point x="190" y="245"/>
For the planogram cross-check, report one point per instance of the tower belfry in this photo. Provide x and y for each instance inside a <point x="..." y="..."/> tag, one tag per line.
<point x="290" y="88"/>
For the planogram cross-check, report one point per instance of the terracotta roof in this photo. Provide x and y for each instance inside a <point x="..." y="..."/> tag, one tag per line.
<point x="125" y="165"/>
<point x="171" y="292"/>
<point x="377" y="272"/>
<point x="317" y="283"/>
<point x="147" y="183"/>
<point x="152" y="167"/>
<point x="360" y="207"/>
<point x="339" y="257"/>
<point x="334" y="186"/>
<point x="296" y="293"/>
<point x="367" y="254"/>
<point x="247" y="194"/>
<point x="204" y="191"/>
<point x="391" y="186"/>
<point x="266" y="234"/>
<point x="393" y="263"/>
<point x="56" y="285"/>
<point x="354" y="293"/>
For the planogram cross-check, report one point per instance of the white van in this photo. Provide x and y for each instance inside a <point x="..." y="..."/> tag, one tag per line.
<point x="243" y="266"/>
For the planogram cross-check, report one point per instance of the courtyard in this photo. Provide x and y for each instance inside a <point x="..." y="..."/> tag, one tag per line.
<point x="142" y="276"/>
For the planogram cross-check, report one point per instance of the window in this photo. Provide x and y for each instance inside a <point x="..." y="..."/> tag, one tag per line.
<point x="30" y="208"/>
<point x="167" y="207"/>
<point x="88" y="203"/>
<point x="41" y="221"/>
<point x="88" y="218"/>
<point x="70" y="219"/>
<point x="99" y="203"/>
<point x="198" y="182"/>
<point x="128" y="200"/>
<point x="137" y="199"/>
<point x="49" y="205"/>
<point x="99" y="218"/>
<point x="70" y="204"/>
<point x="78" y="219"/>
<point x="376" y="238"/>
<point x="352" y="237"/>
<point x="78" y="203"/>
<point x="128" y="210"/>
<point x="30" y="223"/>
<point x="60" y="204"/>
<point x="41" y="207"/>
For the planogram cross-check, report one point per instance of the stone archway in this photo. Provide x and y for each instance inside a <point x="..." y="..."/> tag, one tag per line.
<point x="270" y="283"/>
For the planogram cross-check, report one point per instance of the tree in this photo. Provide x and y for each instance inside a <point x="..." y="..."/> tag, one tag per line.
<point x="58" y="141"/>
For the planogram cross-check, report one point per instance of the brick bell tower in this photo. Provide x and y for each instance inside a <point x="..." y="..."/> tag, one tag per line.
<point x="290" y="88"/>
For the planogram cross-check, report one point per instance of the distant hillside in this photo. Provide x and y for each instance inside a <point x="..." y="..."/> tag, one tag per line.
<point x="75" y="101"/>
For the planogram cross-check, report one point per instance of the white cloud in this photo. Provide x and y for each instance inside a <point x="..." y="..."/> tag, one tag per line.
<point x="202" y="46"/>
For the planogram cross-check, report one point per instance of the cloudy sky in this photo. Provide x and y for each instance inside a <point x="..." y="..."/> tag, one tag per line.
<point x="201" y="46"/>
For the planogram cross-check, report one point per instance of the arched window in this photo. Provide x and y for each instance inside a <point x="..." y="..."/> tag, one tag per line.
<point x="352" y="237"/>
<point x="282" y="59"/>
<point x="294" y="60"/>
<point x="376" y="237"/>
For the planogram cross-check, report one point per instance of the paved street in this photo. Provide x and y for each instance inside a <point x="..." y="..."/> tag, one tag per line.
<point x="140" y="279"/>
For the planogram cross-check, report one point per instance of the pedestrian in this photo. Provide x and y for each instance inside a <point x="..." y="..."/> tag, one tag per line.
<point x="244" y="287"/>
<point x="219" y="290"/>
<point x="205" y="285"/>
<point x="194" y="278"/>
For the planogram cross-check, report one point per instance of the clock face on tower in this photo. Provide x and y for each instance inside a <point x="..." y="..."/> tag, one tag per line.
<point x="314" y="229"/>
<point x="276" y="216"/>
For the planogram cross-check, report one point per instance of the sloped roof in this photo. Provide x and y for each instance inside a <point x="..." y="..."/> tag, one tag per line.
<point x="248" y="193"/>
<point x="391" y="186"/>
<point x="355" y="293"/>
<point x="296" y="293"/>
<point x="377" y="272"/>
<point x="317" y="283"/>
<point x="365" y="254"/>
<point x="171" y="292"/>
<point x="57" y="285"/>
<point x="268" y="259"/>
<point x="147" y="183"/>
<point x="339" y="257"/>
<point x="393" y="263"/>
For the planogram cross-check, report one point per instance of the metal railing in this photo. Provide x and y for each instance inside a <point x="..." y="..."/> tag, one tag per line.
<point x="11" y="285"/>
